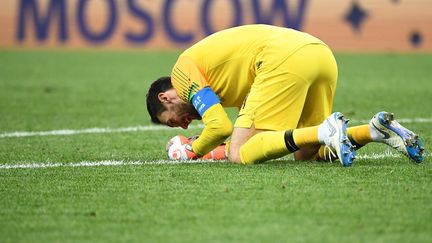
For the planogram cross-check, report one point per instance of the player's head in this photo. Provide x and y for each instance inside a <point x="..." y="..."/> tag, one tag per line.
<point x="165" y="107"/>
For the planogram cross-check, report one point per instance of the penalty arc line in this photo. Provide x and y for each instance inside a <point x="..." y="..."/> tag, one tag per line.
<point x="96" y="130"/>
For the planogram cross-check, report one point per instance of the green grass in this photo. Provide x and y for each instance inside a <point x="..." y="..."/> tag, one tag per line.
<point x="377" y="200"/>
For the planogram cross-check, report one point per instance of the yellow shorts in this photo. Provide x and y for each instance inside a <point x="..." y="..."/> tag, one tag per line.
<point x="296" y="93"/>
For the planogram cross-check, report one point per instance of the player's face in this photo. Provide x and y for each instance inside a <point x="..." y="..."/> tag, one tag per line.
<point x="179" y="114"/>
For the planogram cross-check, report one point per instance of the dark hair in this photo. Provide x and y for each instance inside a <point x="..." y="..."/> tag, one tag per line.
<point x="154" y="105"/>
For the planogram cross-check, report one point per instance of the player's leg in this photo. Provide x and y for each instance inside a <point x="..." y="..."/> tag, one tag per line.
<point x="307" y="153"/>
<point x="319" y="101"/>
<point x="385" y="129"/>
<point x="249" y="145"/>
<point x="276" y="103"/>
<point x="318" y="106"/>
<point x="262" y="146"/>
<point x="273" y="105"/>
<point x="239" y="137"/>
<point x="267" y="145"/>
<point x="359" y="135"/>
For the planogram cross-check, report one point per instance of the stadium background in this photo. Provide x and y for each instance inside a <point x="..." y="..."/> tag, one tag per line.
<point x="362" y="25"/>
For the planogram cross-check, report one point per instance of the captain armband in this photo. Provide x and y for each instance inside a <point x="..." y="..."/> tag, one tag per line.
<point x="204" y="99"/>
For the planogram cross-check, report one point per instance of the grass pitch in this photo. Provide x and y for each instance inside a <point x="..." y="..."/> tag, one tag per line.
<point x="380" y="199"/>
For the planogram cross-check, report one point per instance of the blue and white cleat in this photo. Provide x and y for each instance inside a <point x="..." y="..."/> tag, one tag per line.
<point x="336" y="138"/>
<point x="396" y="136"/>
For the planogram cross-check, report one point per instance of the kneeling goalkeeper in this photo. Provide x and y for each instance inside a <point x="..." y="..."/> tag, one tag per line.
<point x="283" y="82"/>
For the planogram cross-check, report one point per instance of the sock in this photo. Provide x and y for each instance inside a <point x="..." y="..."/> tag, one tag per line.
<point x="359" y="135"/>
<point x="289" y="141"/>
<point x="306" y="136"/>
<point x="264" y="146"/>
<point x="324" y="154"/>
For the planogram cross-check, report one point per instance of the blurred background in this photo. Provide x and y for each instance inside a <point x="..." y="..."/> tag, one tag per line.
<point x="352" y="26"/>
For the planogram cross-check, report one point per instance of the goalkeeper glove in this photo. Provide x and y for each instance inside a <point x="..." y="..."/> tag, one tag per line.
<point x="180" y="148"/>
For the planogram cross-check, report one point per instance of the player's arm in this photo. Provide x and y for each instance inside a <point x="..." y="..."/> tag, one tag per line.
<point x="192" y="86"/>
<point x="217" y="125"/>
<point x="179" y="148"/>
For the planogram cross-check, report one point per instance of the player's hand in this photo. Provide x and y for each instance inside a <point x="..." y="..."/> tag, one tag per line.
<point x="219" y="153"/>
<point x="180" y="148"/>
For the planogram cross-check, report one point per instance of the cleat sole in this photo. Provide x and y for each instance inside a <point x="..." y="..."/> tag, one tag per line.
<point x="412" y="142"/>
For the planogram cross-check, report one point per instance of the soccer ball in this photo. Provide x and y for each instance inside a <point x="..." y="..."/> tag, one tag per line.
<point x="175" y="148"/>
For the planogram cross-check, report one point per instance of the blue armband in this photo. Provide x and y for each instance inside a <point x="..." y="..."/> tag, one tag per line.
<point x="204" y="99"/>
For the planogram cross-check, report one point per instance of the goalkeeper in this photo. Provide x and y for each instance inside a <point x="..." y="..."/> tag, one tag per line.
<point x="283" y="82"/>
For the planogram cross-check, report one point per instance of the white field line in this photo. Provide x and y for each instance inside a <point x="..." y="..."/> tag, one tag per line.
<point x="400" y="120"/>
<point x="94" y="130"/>
<point x="88" y="131"/>
<point x="37" y="165"/>
<point x="42" y="165"/>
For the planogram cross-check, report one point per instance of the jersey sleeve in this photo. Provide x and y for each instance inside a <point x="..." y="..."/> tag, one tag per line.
<point x="192" y="86"/>
<point x="217" y="128"/>
<point x="187" y="78"/>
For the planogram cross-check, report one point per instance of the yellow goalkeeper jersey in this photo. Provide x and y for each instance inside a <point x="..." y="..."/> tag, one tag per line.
<point x="227" y="62"/>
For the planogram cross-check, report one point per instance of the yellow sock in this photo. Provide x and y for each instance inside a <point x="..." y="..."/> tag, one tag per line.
<point x="359" y="135"/>
<point x="324" y="154"/>
<point x="306" y="136"/>
<point x="263" y="146"/>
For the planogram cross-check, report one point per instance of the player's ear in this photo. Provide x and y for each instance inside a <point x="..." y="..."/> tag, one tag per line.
<point x="163" y="97"/>
<point x="169" y="96"/>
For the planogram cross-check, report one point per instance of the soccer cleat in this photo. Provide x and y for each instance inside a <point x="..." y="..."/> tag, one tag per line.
<point x="336" y="138"/>
<point x="396" y="136"/>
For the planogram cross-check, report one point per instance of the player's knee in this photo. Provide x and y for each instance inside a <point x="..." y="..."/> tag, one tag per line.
<point x="238" y="156"/>
<point x="234" y="155"/>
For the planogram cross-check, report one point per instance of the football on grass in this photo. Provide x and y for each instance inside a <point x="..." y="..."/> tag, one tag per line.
<point x="175" y="148"/>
